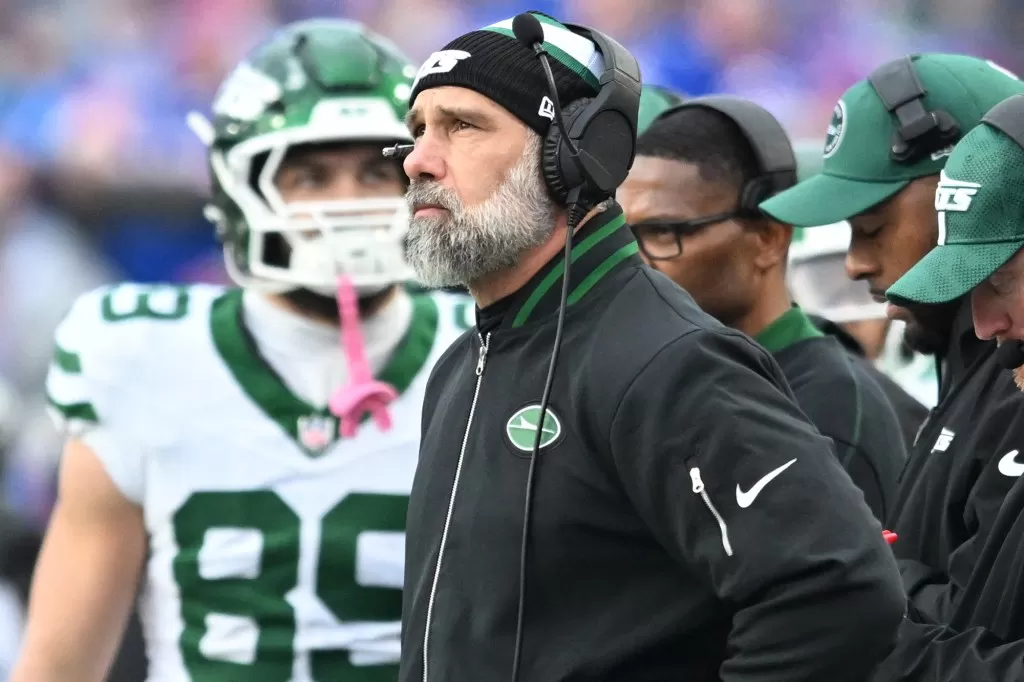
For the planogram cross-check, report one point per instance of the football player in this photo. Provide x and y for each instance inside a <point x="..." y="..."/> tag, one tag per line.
<point x="221" y="445"/>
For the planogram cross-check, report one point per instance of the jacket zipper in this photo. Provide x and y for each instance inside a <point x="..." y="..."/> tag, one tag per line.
<point x="698" y="488"/>
<point x="481" y="361"/>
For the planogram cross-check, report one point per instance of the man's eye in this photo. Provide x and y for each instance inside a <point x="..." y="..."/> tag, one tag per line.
<point x="311" y="178"/>
<point x="377" y="174"/>
<point x="1000" y="285"/>
<point x="461" y="125"/>
<point x="654" y="232"/>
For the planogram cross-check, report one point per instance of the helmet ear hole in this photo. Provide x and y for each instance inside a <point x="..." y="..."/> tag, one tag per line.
<point x="276" y="250"/>
<point x="259" y="162"/>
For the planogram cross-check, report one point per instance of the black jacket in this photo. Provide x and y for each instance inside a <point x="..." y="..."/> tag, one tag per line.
<point x="960" y="521"/>
<point x="642" y="563"/>
<point x="841" y="398"/>
<point x="909" y="409"/>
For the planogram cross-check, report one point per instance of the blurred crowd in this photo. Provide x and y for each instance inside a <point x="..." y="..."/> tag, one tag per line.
<point x="100" y="179"/>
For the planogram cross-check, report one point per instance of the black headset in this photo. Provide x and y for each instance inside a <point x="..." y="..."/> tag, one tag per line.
<point x="587" y="154"/>
<point x="921" y="131"/>
<point x="590" y="147"/>
<point x="773" y="150"/>
<point x="1008" y="118"/>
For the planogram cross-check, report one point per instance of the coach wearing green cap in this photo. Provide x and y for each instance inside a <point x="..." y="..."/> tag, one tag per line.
<point x="980" y="212"/>
<point x="654" y="101"/>
<point x="890" y="138"/>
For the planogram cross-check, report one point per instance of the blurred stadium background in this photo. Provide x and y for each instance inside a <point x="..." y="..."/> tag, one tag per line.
<point x="101" y="180"/>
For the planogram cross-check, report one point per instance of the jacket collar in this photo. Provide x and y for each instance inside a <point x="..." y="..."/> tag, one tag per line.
<point x="791" y="327"/>
<point x="964" y="350"/>
<point x="604" y="245"/>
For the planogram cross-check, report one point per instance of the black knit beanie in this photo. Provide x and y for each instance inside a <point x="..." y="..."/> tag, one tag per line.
<point x="494" y="63"/>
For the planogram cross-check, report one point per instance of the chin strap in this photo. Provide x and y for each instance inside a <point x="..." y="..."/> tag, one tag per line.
<point x="363" y="394"/>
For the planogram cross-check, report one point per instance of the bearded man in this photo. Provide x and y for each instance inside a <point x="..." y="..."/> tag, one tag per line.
<point x="641" y="557"/>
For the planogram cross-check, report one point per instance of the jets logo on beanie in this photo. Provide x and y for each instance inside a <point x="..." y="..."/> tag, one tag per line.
<point x="494" y="63"/>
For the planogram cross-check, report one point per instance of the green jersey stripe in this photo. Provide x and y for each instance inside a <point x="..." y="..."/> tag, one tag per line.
<point x="79" y="411"/>
<point x="556" y="273"/>
<point x="67" y="361"/>
<point x="601" y="270"/>
<point x="269" y="392"/>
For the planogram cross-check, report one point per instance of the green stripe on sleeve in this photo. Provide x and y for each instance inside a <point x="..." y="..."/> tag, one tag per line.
<point x="79" y="411"/>
<point x="68" y="361"/>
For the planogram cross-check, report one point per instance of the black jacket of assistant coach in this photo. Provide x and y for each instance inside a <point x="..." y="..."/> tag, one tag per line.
<point x="688" y="522"/>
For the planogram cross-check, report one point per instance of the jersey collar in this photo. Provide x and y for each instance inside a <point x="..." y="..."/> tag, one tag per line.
<point x="603" y="245"/>
<point x="268" y="391"/>
<point x="792" y="326"/>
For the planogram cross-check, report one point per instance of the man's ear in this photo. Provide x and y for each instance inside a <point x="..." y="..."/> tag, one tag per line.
<point x="773" y="239"/>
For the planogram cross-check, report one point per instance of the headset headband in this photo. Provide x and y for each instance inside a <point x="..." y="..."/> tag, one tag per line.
<point x="920" y="131"/>
<point x="1008" y="118"/>
<point x="772" y="148"/>
<point x="620" y="83"/>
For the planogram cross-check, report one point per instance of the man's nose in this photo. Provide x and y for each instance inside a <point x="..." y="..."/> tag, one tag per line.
<point x="857" y="266"/>
<point x="426" y="161"/>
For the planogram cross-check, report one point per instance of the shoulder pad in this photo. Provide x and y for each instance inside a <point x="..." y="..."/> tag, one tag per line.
<point x="100" y="339"/>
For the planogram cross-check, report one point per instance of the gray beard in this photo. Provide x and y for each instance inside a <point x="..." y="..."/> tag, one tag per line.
<point x="470" y="243"/>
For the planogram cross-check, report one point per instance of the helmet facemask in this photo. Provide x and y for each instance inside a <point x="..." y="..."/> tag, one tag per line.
<point x="317" y="82"/>
<point x="307" y="244"/>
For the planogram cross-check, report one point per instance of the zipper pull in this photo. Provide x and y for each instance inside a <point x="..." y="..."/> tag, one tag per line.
<point x="698" y="489"/>
<point x="698" y="484"/>
<point x="482" y="360"/>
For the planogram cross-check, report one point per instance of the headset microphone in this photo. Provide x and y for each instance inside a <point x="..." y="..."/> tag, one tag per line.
<point x="528" y="30"/>
<point x="398" y="151"/>
<point x="1010" y="354"/>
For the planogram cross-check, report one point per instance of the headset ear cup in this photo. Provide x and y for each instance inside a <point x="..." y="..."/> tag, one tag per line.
<point x="550" y="168"/>
<point x="553" y="163"/>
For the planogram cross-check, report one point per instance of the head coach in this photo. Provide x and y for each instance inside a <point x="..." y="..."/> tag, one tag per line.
<point x="648" y="503"/>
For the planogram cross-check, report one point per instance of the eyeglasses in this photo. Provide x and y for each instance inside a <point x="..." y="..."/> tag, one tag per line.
<point x="663" y="239"/>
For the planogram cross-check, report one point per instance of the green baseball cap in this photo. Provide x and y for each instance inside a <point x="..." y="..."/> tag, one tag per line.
<point x="655" y="100"/>
<point x="857" y="169"/>
<point x="808" y="158"/>
<point x="981" y="217"/>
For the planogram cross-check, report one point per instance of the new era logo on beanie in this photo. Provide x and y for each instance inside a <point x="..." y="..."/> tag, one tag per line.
<point x="494" y="63"/>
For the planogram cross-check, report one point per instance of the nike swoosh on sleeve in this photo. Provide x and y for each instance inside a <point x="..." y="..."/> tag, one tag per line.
<point x="745" y="499"/>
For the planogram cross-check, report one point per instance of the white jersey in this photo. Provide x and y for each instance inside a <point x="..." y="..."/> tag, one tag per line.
<point x="276" y="548"/>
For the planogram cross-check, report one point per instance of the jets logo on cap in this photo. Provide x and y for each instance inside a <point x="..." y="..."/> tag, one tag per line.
<point x="836" y="128"/>
<point x="952" y="195"/>
<point x="521" y="428"/>
<point x="441" y="61"/>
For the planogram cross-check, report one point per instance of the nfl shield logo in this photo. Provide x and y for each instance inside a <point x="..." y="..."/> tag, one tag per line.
<point x="317" y="432"/>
